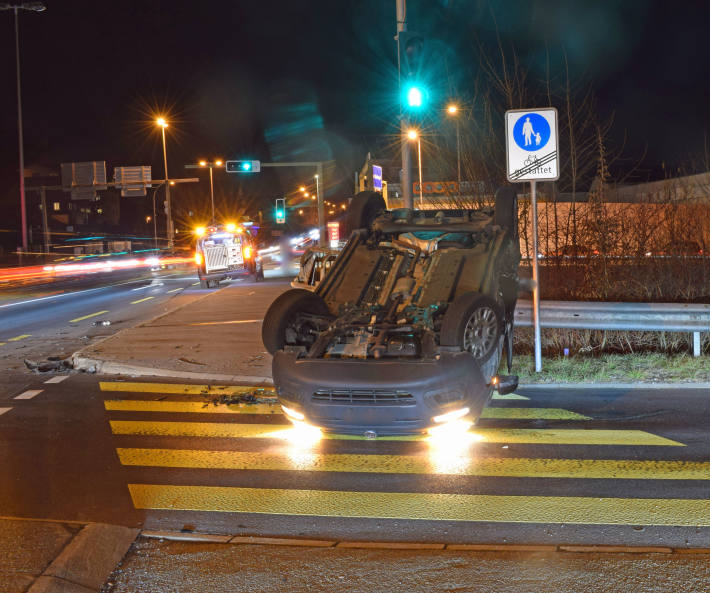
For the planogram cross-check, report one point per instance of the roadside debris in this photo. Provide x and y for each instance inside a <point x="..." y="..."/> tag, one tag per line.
<point x="258" y="395"/>
<point x="51" y="364"/>
<point x="103" y="322"/>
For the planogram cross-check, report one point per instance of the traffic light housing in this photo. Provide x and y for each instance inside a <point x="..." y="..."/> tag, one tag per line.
<point x="243" y="166"/>
<point x="280" y="211"/>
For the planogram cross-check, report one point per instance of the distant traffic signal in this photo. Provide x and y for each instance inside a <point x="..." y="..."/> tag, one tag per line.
<point x="280" y="211"/>
<point x="415" y="96"/>
<point x="243" y="166"/>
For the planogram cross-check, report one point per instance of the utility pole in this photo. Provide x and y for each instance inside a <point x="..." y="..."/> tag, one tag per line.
<point x="406" y="177"/>
<point x="34" y="7"/>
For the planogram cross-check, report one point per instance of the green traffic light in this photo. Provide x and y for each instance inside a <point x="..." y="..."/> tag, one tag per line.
<point x="415" y="96"/>
<point x="246" y="165"/>
<point x="279" y="214"/>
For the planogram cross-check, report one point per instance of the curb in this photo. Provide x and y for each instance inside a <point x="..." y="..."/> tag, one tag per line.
<point x="106" y="367"/>
<point x="87" y="561"/>
<point x="377" y="545"/>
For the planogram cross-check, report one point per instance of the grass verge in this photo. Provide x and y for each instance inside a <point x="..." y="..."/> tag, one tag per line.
<point x="614" y="368"/>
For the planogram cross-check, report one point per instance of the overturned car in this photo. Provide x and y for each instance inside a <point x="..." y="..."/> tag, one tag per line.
<point x="407" y="328"/>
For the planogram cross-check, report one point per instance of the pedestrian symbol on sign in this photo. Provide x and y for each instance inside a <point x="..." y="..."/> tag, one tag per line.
<point x="531" y="132"/>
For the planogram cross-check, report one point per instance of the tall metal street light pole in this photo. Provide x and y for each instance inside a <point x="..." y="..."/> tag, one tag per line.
<point x="453" y="110"/>
<point x="34" y="7"/>
<point x="210" y="166"/>
<point x="412" y="134"/>
<point x="168" y="211"/>
<point x="403" y="124"/>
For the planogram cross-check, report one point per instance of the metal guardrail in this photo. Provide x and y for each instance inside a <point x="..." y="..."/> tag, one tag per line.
<point x="673" y="317"/>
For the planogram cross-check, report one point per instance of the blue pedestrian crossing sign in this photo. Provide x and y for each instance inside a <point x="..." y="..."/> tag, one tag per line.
<point x="531" y="140"/>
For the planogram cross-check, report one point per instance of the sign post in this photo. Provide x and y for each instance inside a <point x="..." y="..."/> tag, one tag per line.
<point x="531" y="147"/>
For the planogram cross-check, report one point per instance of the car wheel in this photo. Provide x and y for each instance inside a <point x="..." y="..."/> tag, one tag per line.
<point x="473" y="322"/>
<point x="363" y="209"/>
<point x="283" y="324"/>
<point x="204" y="283"/>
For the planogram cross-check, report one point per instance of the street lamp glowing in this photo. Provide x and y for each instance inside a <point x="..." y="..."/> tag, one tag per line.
<point x="200" y="230"/>
<point x="161" y="122"/>
<point x="452" y="109"/>
<point x="231" y="227"/>
<point x="302" y="188"/>
<point x="306" y="194"/>
<point x="412" y="134"/>
<point x="203" y="163"/>
<point x="218" y="163"/>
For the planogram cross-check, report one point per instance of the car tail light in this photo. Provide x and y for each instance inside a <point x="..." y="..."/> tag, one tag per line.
<point x="247" y="252"/>
<point x="198" y="258"/>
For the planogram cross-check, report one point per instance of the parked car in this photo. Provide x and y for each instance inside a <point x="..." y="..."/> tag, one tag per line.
<point x="407" y="328"/>
<point x="226" y="251"/>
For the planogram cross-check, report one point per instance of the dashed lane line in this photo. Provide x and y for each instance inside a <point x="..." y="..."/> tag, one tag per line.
<point x="175" y="290"/>
<point x="436" y="507"/>
<point x="142" y="300"/>
<point x="186" y="389"/>
<point x="3" y="410"/>
<point x="196" y="407"/>
<point x="29" y="394"/>
<point x="89" y="316"/>
<point x="489" y="435"/>
<point x="18" y="338"/>
<point x="627" y="469"/>
<point x="57" y="379"/>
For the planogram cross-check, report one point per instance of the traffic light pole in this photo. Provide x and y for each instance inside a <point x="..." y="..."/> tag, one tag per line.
<point x="319" y="179"/>
<point x="406" y="179"/>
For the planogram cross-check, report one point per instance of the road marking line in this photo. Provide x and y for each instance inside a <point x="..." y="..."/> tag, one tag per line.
<point x="2" y="343"/>
<point x="88" y="316"/>
<point x="626" y="469"/>
<point x="186" y="389"/>
<point x="228" y="322"/>
<point x="435" y="507"/>
<point x="133" y="405"/>
<point x="194" y="284"/>
<point x="18" y="338"/>
<point x="509" y="396"/>
<point x="57" y="379"/>
<point x="532" y="414"/>
<point x="491" y="435"/>
<point x="141" y="300"/>
<point x="178" y="388"/>
<point x="3" y="410"/>
<point x="175" y="290"/>
<point x="29" y="394"/>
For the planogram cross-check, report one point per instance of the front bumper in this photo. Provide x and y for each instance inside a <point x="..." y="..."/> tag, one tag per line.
<point x="388" y="397"/>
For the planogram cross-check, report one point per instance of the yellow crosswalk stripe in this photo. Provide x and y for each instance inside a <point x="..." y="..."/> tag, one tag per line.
<point x="181" y="389"/>
<point x="128" y="405"/>
<point x="491" y="435"/>
<point x="185" y="389"/>
<point x="628" y="469"/>
<point x="437" y="507"/>
<point x="131" y="405"/>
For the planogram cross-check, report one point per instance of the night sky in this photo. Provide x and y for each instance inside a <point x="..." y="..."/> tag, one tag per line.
<point x="317" y="80"/>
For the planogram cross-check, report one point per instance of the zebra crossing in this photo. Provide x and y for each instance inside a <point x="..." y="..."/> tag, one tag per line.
<point x="192" y="429"/>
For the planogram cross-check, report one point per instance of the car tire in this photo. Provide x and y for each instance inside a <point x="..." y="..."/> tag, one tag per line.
<point x="473" y="323"/>
<point x="363" y="209"/>
<point x="283" y="312"/>
<point x="506" y="210"/>
<point x="204" y="283"/>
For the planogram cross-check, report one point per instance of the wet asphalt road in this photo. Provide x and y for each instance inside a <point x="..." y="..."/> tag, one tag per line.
<point x="546" y="466"/>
